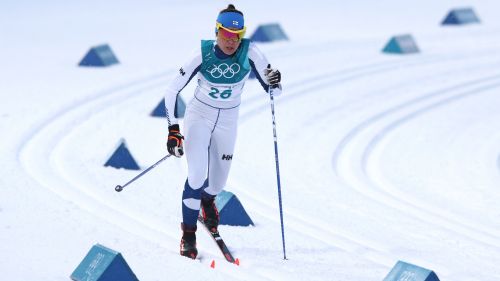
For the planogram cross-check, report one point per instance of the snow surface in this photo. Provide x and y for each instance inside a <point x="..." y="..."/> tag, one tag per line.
<point x="382" y="157"/>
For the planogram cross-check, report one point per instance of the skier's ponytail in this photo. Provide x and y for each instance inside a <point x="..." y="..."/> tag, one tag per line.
<point x="231" y="8"/>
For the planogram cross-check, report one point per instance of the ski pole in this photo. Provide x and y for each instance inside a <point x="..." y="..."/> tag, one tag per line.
<point x="119" y="188"/>
<point x="277" y="170"/>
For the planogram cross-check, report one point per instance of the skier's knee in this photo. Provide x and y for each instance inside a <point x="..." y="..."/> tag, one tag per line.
<point x="193" y="184"/>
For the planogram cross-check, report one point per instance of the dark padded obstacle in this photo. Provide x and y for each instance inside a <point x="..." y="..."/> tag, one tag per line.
<point x="103" y="264"/>
<point x="406" y="271"/>
<point x="121" y="158"/>
<point x="99" y="56"/>
<point x="461" y="16"/>
<point x="402" y="44"/>
<point x="180" y="109"/>
<point x="269" y="33"/>
<point x="231" y="212"/>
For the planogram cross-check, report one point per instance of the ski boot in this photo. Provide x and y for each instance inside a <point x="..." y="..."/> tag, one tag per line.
<point x="210" y="214"/>
<point x="188" y="241"/>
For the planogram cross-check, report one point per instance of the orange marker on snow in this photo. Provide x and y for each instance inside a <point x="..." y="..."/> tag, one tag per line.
<point x="212" y="265"/>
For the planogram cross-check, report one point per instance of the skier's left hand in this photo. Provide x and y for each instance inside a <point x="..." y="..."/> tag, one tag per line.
<point x="273" y="76"/>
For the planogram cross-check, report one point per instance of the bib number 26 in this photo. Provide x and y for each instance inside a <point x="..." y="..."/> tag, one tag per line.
<point x="216" y="94"/>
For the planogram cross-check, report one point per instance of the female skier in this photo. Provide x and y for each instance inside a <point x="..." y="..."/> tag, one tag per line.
<point x="210" y="122"/>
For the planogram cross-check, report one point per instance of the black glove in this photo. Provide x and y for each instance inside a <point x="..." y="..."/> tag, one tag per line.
<point x="175" y="141"/>
<point x="273" y="76"/>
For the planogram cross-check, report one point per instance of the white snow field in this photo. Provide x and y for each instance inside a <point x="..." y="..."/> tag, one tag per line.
<point x="382" y="157"/>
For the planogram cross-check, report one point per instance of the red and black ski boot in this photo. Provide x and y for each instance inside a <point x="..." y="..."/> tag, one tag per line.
<point x="188" y="241"/>
<point x="210" y="214"/>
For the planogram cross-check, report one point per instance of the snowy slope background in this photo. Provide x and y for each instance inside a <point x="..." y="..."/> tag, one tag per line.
<point x="383" y="158"/>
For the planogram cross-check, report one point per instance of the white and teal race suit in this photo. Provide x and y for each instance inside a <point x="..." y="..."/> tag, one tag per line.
<point x="210" y="121"/>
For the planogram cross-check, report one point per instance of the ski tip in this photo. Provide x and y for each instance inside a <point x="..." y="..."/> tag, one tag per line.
<point x="212" y="265"/>
<point x="237" y="262"/>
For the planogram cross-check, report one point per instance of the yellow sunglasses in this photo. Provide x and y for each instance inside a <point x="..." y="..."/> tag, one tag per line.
<point x="240" y="32"/>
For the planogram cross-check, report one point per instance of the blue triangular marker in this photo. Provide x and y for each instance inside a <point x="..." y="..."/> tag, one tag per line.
<point x="402" y="44"/>
<point x="103" y="264"/>
<point x="180" y="109"/>
<point x="461" y="16"/>
<point x="122" y="158"/>
<point x="101" y="55"/>
<point x="408" y="271"/>
<point x="268" y="33"/>
<point x="231" y="211"/>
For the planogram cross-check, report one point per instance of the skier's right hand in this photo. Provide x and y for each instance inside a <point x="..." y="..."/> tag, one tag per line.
<point x="175" y="141"/>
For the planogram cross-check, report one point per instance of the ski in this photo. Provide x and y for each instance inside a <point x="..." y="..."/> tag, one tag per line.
<point x="220" y="243"/>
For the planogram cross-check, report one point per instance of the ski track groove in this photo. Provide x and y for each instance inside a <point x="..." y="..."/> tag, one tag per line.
<point x="308" y="85"/>
<point x="471" y="230"/>
<point x="53" y="177"/>
<point x="493" y="235"/>
<point x="125" y="220"/>
<point x="352" y="73"/>
<point x="337" y="239"/>
<point x="96" y="102"/>
<point x="325" y="79"/>
<point x="92" y="203"/>
<point x="324" y="82"/>
<point x="417" y="209"/>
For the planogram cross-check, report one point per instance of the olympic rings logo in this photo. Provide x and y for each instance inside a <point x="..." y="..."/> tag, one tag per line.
<point x="223" y="69"/>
